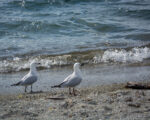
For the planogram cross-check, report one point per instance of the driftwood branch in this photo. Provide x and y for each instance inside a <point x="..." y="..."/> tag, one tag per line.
<point x="56" y="98"/>
<point x="136" y="85"/>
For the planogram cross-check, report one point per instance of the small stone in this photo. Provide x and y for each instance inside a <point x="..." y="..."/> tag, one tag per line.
<point x="65" y="105"/>
<point x="92" y="102"/>
<point x="70" y="115"/>
<point x="65" y="113"/>
<point x="128" y="99"/>
<point x="137" y="105"/>
<point x="85" y="114"/>
<point x="107" y="108"/>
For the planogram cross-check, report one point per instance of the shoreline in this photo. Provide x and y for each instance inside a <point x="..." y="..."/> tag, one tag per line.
<point x="92" y="75"/>
<point x="100" y="102"/>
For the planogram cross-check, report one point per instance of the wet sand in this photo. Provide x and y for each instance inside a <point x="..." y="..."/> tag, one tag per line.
<point x="105" y="102"/>
<point x="92" y="75"/>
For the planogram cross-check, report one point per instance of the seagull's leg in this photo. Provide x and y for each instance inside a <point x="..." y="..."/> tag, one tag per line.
<point x="31" y="89"/>
<point x="69" y="90"/>
<point x="25" y="89"/>
<point x="74" y="92"/>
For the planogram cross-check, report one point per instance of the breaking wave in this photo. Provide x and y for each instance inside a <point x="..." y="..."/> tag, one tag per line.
<point x="123" y="56"/>
<point x="130" y="55"/>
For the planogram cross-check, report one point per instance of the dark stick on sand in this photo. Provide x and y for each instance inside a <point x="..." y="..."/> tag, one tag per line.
<point x="136" y="85"/>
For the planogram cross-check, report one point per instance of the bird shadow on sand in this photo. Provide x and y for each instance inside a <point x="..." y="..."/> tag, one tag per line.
<point x="56" y="98"/>
<point x="35" y="92"/>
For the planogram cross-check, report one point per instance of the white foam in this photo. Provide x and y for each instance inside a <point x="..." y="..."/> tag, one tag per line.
<point x="113" y="55"/>
<point x="123" y="56"/>
<point x="18" y="64"/>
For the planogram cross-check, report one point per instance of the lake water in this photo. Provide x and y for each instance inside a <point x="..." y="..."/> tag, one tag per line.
<point x="61" y="32"/>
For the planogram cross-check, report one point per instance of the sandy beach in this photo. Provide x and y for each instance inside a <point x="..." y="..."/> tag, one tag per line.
<point x="105" y="102"/>
<point x="101" y="95"/>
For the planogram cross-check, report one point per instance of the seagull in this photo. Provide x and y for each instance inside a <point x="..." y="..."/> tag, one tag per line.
<point x="73" y="79"/>
<point x="29" y="78"/>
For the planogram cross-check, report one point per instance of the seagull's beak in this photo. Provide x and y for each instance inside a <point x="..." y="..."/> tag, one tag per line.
<point x="82" y="64"/>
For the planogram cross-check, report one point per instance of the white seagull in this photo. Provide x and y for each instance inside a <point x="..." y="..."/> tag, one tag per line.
<point x="30" y="78"/>
<point x="72" y="80"/>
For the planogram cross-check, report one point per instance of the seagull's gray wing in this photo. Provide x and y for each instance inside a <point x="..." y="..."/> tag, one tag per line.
<point x="72" y="81"/>
<point x="29" y="80"/>
<point x="62" y="84"/>
<point x="22" y="80"/>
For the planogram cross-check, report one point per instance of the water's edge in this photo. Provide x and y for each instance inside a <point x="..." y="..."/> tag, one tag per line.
<point x="92" y="75"/>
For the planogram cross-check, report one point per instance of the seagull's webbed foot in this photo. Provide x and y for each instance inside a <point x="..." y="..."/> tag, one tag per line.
<point x="25" y="90"/>
<point x="70" y="91"/>
<point x="74" y="93"/>
<point x="31" y="89"/>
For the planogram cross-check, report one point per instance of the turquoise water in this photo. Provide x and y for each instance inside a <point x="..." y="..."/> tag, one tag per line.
<point x="61" y="32"/>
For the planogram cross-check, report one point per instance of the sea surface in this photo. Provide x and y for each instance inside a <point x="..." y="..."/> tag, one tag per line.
<point x="61" y="32"/>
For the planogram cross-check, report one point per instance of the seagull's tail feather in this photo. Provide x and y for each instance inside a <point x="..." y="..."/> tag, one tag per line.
<point x="56" y="86"/>
<point x="59" y="86"/>
<point x="16" y="84"/>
